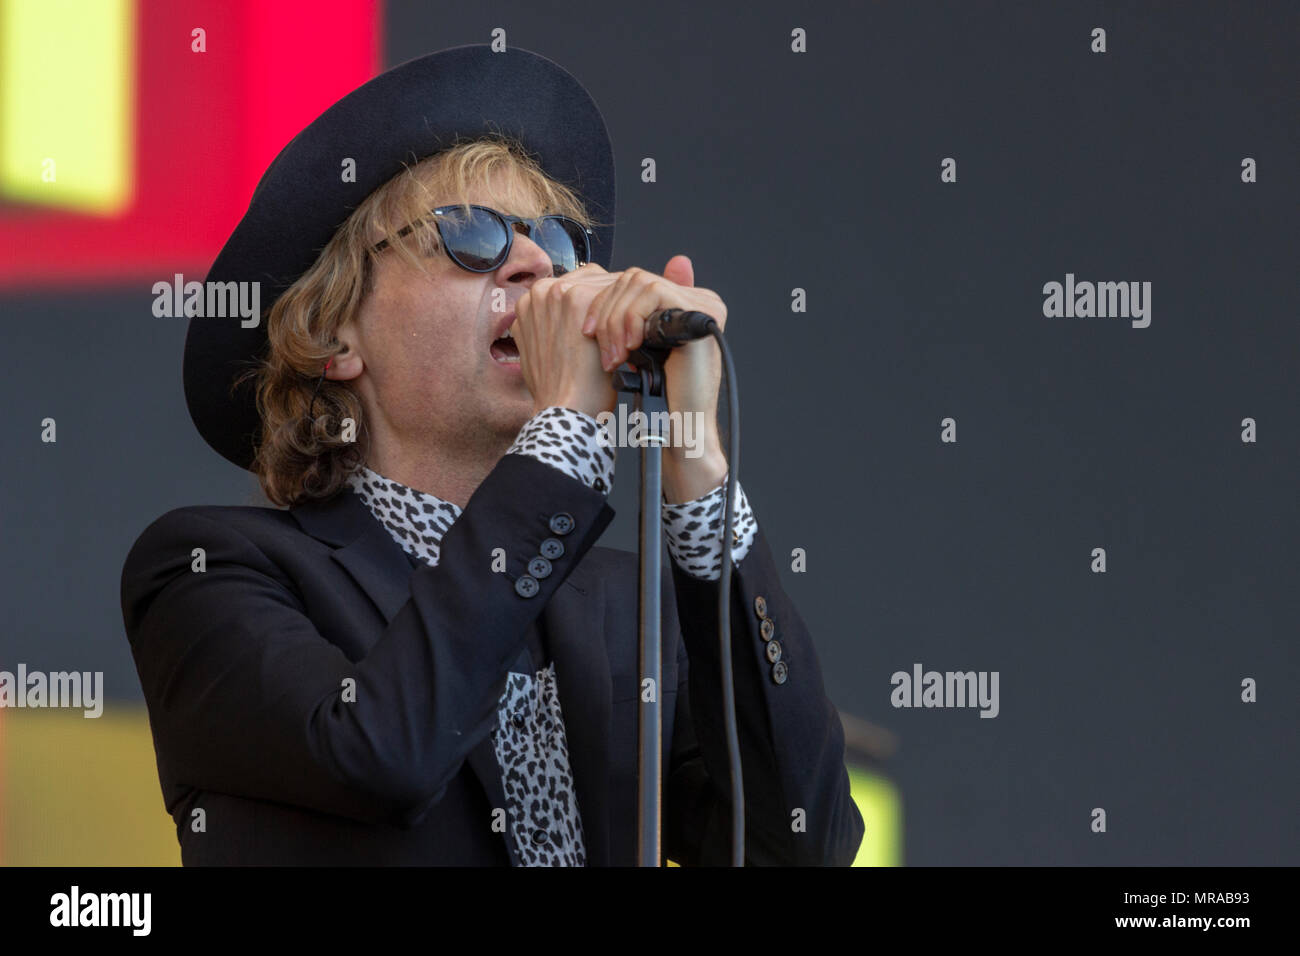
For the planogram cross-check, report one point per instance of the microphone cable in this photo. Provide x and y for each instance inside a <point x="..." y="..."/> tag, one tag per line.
<point x="724" y="602"/>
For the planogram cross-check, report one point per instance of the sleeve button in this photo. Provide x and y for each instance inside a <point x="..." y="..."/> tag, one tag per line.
<point x="760" y="606"/>
<point x="552" y="548"/>
<point x="526" y="585"/>
<point x="773" y="652"/>
<point x="561" y="522"/>
<point x="780" y="673"/>
<point x="766" y="629"/>
<point x="539" y="567"/>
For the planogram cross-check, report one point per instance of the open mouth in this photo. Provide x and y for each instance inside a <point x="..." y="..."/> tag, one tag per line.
<point x="505" y="351"/>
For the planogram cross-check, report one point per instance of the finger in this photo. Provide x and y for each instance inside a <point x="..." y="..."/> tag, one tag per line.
<point x="596" y="307"/>
<point x="579" y="303"/>
<point x="680" y="270"/>
<point x="611" y="331"/>
<point x="627" y="314"/>
<point x="713" y="306"/>
<point x="636" y="312"/>
<point x="602" y="309"/>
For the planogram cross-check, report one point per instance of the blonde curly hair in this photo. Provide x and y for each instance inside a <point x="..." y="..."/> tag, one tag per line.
<point x="303" y="454"/>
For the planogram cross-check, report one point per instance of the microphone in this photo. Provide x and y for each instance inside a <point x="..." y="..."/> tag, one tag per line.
<point x="669" y="328"/>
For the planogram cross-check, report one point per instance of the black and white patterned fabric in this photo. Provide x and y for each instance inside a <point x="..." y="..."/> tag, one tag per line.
<point x="535" y="772"/>
<point x="529" y="738"/>
<point x="417" y="521"/>
<point x="693" y="531"/>
<point x="567" y="439"/>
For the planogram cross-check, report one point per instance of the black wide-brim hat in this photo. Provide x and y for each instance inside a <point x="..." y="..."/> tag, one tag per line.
<point x="398" y="118"/>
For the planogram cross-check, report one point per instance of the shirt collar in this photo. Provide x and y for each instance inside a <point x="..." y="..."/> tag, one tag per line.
<point x="417" y="520"/>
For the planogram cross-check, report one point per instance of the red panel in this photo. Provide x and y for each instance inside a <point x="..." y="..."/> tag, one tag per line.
<point x="207" y="125"/>
<point x="290" y="80"/>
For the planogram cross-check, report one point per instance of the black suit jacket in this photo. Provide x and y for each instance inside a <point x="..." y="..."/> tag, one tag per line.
<point x="243" y="668"/>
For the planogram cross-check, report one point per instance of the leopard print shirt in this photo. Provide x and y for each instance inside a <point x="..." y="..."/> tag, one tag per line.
<point x="568" y="440"/>
<point x="529" y="738"/>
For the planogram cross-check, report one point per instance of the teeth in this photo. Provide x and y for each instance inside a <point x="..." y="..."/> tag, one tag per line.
<point x="507" y="335"/>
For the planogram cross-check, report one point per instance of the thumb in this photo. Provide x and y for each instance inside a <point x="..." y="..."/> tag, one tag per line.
<point x="680" y="270"/>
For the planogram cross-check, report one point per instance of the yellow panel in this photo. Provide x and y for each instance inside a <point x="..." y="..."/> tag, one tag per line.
<point x="67" y="100"/>
<point x="84" y="791"/>
<point x="882" y="812"/>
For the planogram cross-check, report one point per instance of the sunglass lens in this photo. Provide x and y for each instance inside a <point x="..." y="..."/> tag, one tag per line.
<point x="477" y="242"/>
<point x="564" y="242"/>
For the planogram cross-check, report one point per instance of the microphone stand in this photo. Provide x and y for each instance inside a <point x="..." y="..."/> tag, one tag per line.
<point x="646" y="381"/>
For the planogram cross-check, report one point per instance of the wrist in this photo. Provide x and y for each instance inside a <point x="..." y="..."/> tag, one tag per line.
<point x="685" y="479"/>
<point x="693" y="441"/>
<point x="589" y="403"/>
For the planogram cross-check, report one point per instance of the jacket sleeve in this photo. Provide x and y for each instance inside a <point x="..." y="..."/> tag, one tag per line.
<point x="247" y="698"/>
<point x="798" y="810"/>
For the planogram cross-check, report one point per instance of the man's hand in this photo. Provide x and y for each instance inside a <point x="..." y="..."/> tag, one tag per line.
<point x="560" y="365"/>
<point x="616" y="319"/>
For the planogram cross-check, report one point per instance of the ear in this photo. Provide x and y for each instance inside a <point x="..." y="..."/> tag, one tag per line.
<point x="347" y="364"/>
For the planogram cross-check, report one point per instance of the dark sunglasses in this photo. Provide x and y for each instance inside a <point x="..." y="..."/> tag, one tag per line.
<point x="481" y="240"/>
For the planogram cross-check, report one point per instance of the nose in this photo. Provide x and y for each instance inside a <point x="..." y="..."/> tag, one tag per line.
<point x="527" y="261"/>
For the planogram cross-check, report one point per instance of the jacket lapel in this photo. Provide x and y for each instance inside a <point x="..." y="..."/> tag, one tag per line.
<point x="363" y="547"/>
<point x="573" y="624"/>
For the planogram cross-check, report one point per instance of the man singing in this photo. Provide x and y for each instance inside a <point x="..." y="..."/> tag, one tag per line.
<point x="425" y="659"/>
